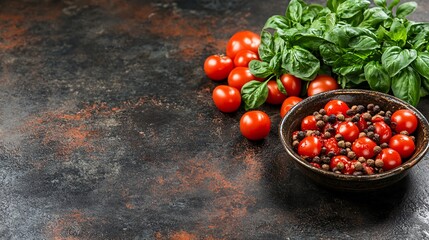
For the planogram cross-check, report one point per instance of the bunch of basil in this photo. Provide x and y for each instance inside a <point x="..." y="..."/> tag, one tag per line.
<point x="362" y="46"/>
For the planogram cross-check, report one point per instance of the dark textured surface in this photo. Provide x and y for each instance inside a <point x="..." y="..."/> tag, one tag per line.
<point x="108" y="131"/>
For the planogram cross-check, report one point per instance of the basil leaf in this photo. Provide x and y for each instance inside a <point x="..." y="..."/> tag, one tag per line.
<point x="406" y="86"/>
<point x="311" y="12"/>
<point x="276" y="63"/>
<point x="259" y="69"/>
<point x="425" y="83"/>
<point x="333" y="4"/>
<point x="421" y="64"/>
<point x="372" y="17"/>
<point x="294" y="10"/>
<point x="310" y="39"/>
<point x="254" y="94"/>
<point x="301" y="63"/>
<point x="363" y="42"/>
<point x="351" y="8"/>
<point x="405" y="9"/>
<point x="276" y="22"/>
<point x="398" y="32"/>
<point x="349" y="63"/>
<point x="266" y="48"/>
<point x="377" y="77"/>
<point x="393" y="4"/>
<point x="423" y="92"/>
<point x="281" y="87"/>
<point x="381" y="3"/>
<point x="394" y="59"/>
<point x="330" y="53"/>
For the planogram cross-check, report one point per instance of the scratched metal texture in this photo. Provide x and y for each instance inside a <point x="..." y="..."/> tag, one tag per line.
<point x="108" y="131"/>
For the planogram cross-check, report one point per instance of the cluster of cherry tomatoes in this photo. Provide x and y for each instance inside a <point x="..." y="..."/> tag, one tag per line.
<point x="358" y="140"/>
<point x="242" y="48"/>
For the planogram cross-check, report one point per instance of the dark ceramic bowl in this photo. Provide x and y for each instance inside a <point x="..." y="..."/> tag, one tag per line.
<point x="291" y="122"/>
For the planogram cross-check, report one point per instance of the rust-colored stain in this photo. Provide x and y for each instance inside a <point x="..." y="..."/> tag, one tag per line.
<point x="19" y="16"/>
<point x="69" y="226"/>
<point x="231" y="193"/>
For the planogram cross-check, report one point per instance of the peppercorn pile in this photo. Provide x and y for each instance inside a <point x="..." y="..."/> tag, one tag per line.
<point x="358" y="140"/>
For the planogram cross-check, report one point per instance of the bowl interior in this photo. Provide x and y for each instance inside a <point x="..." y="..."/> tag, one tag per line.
<point x="292" y="120"/>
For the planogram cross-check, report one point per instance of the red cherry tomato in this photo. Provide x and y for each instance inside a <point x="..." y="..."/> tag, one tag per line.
<point x="364" y="147"/>
<point x="240" y="76"/>
<point x="321" y="83"/>
<point x="362" y="124"/>
<point x="288" y="103"/>
<point x="336" y="107"/>
<point x="310" y="146"/>
<point x="291" y="84"/>
<point x="348" y="165"/>
<point x="390" y="157"/>
<point x="218" y="67"/>
<point x="331" y="145"/>
<point x="382" y="129"/>
<point x="403" y="144"/>
<point x="243" y="57"/>
<point x="242" y="40"/>
<point x="255" y="125"/>
<point x="309" y="123"/>
<point x="405" y="120"/>
<point x="226" y="98"/>
<point x="274" y="94"/>
<point x="348" y="130"/>
<point x="369" y="170"/>
<point x="316" y="165"/>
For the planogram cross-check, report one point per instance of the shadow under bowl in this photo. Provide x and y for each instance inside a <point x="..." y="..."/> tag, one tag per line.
<point x="292" y="120"/>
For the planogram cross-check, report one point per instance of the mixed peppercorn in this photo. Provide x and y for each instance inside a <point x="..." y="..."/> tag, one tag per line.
<point x="358" y="140"/>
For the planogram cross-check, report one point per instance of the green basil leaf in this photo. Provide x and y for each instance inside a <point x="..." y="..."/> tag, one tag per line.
<point x="330" y="53"/>
<point x="381" y="3"/>
<point x="260" y="69"/>
<point x="351" y="8"/>
<point x="277" y="22"/>
<point x="394" y="59"/>
<point x="294" y="10"/>
<point x="393" y="4"/>
<point x="377" y="77"/>
<point x="349" y="63"/>
<point x="281" y="87"/>
<point x="301" y="63"/>
<point x="398" y="32"/>
<point x="405" y="9"/>
<point x="266" y="48"/>
<point x="254" y="94"/>
<point x="311" y="12"/>
<point x="309" y="39"/>
<point x="425" y="83"/>
<point x="276" y="63"/>
<point x="363" y="42"/>
<point x="421" y="64"/>
<point x="333" y="4"/>
<point x="423" y="92"/>
<point x="372" y="17"/>
<point x="406" y="85"/>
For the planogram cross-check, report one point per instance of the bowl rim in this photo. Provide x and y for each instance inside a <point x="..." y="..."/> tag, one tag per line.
<point x="404" y="166"/>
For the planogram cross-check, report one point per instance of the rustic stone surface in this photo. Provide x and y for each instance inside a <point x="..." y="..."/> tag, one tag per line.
<point x="108" y="131"/>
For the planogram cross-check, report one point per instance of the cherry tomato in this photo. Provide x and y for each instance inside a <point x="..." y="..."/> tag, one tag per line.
<point x="403" y="144"/>
<point x="288" y="103"/>
<point x="348" y="130"/>
<point x="243" y="57"/>
<point x="369" y="170"/>
<point x="316" y="165"/>
<point x="291" y="84"/>
<point x="242" y="40"/>
<point x="364" y="147"/>
<point x="310" y="147"/>
<point x="405" y="120"/>
<point x="331" y="145"/>
<point x="336" y="107"/>
<point x="362" y="123"/>
<point x="382" y="129"/>
<point x="348" y="168"/>
<point x="274" y="94"/>
<point x="218" y="67"/>
<point x="255" y="125"/>
<point x="321" y="83"/>
<point x="309" y="123"/>
<point x="226" y="98"/>
<point x="240" y="76"/>
<point x="390" y="157"/>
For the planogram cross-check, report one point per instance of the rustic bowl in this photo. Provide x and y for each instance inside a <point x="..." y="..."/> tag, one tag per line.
<point x="291" y="122"/>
